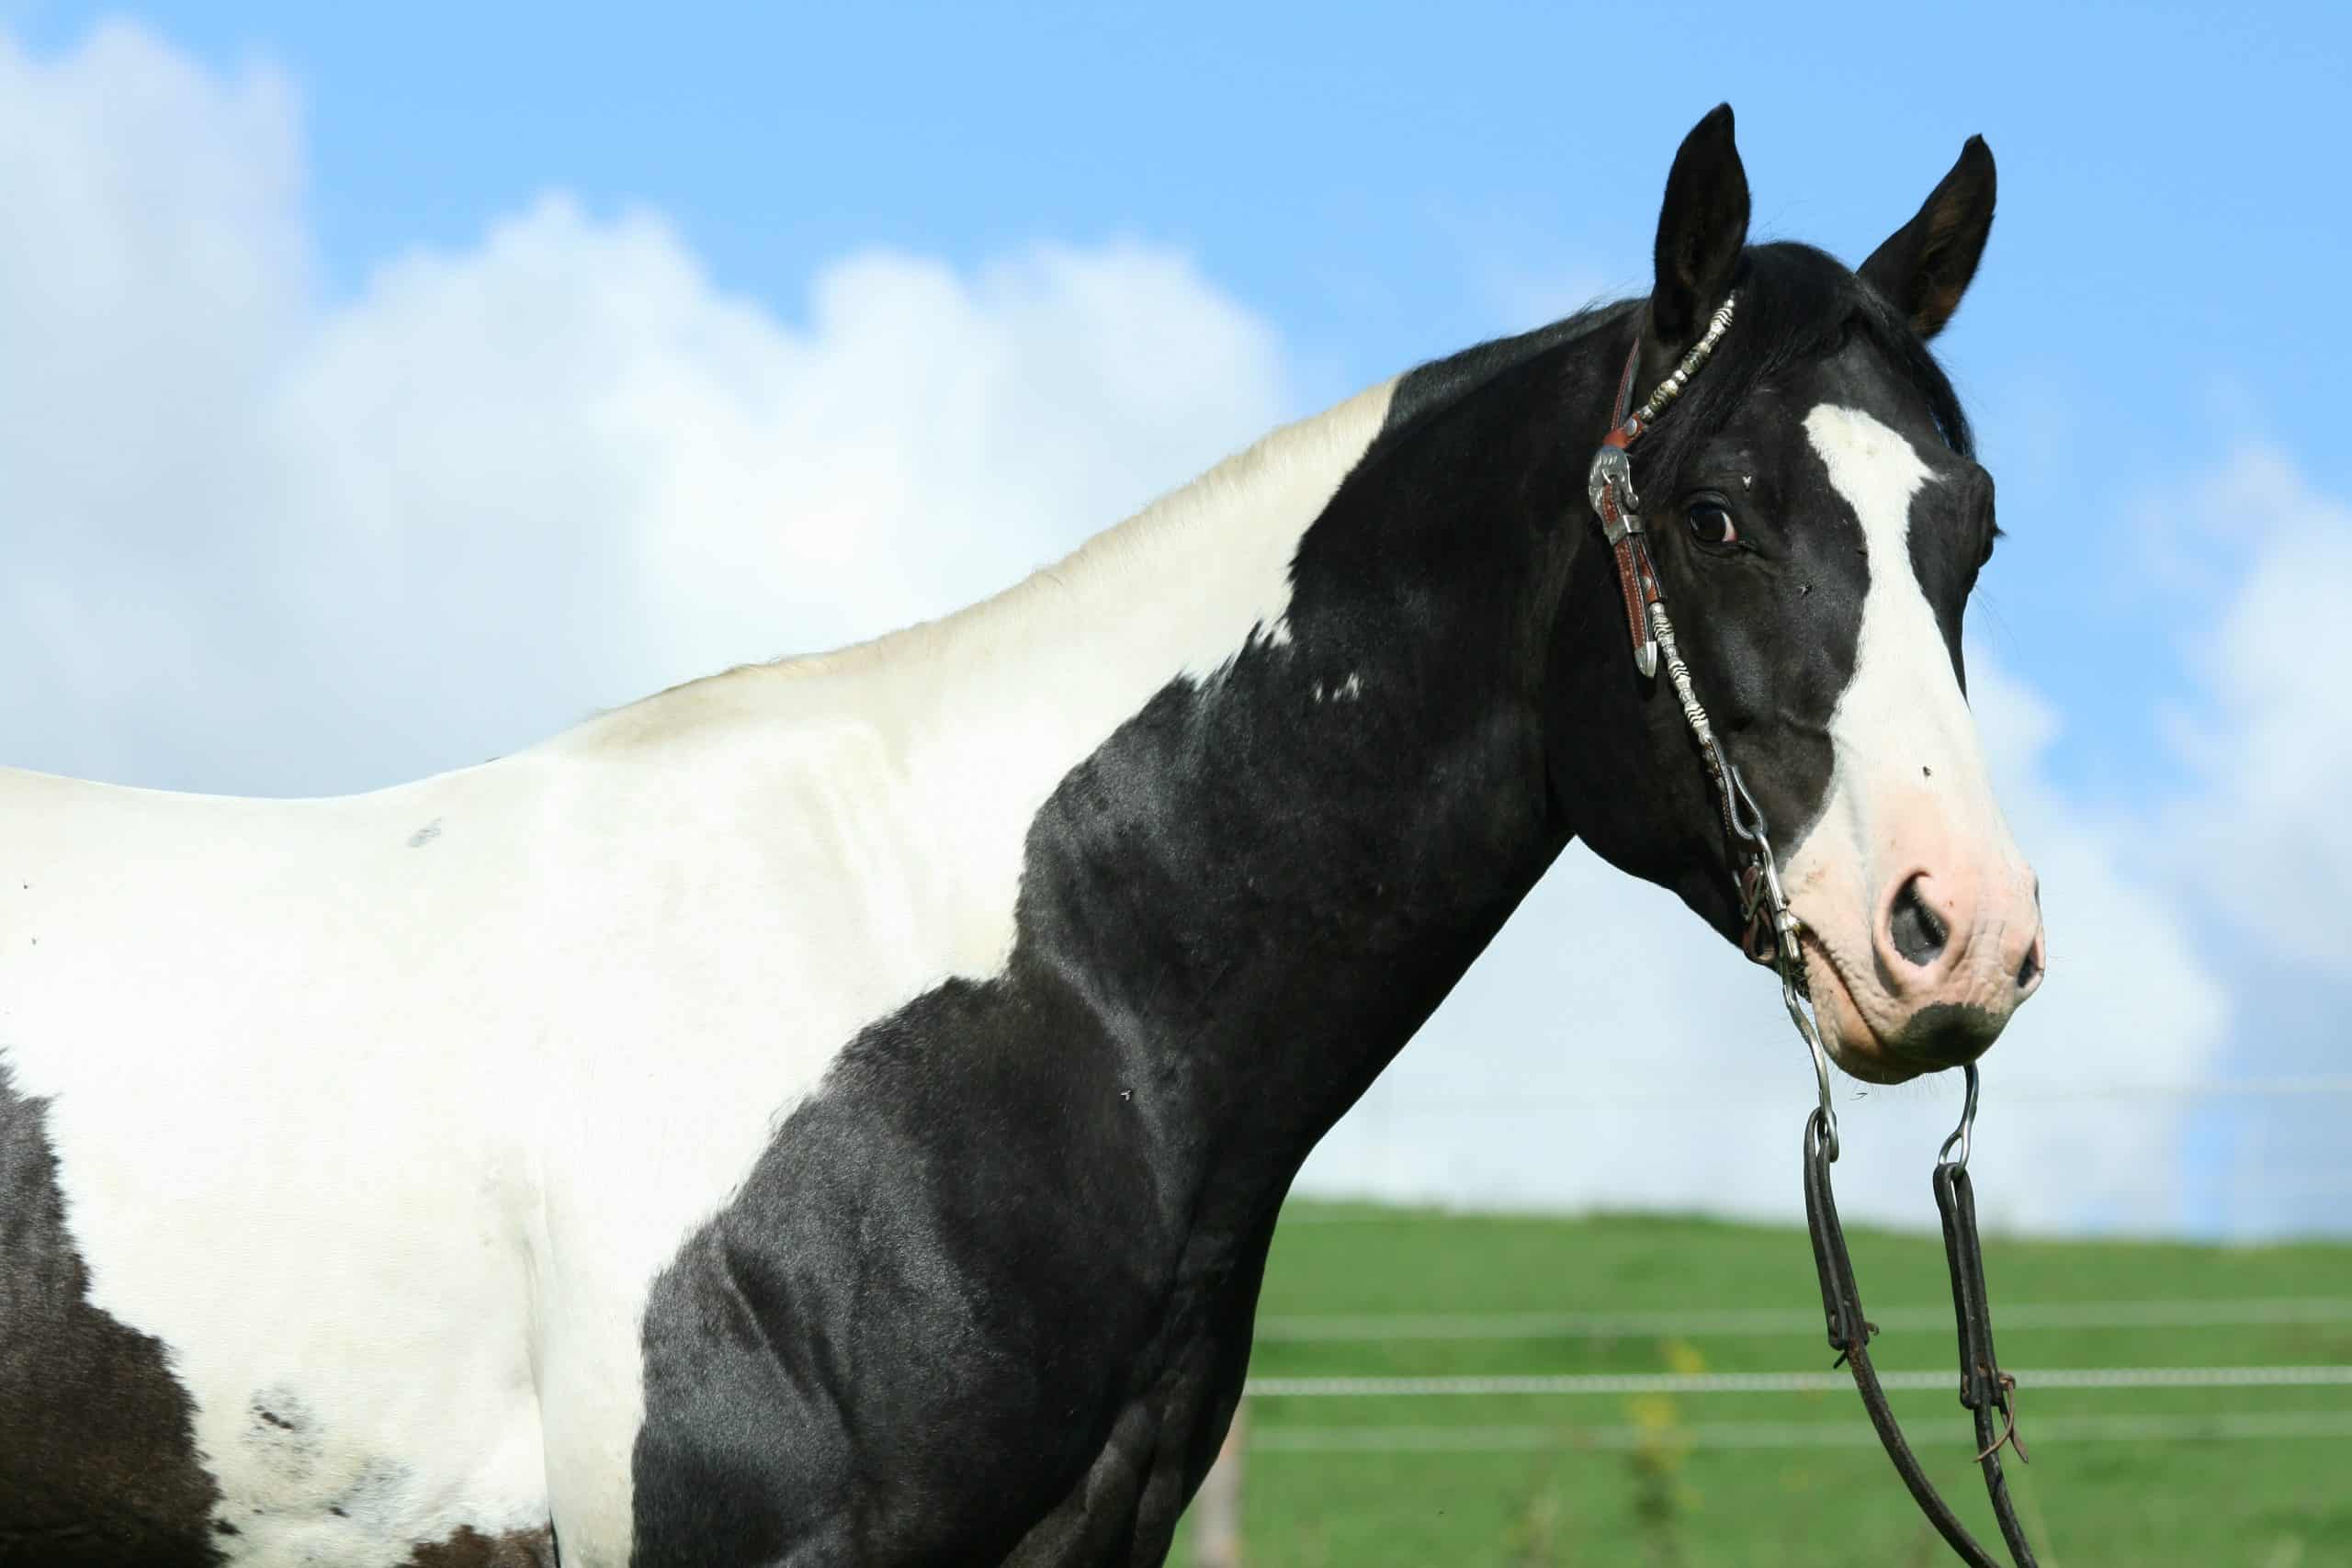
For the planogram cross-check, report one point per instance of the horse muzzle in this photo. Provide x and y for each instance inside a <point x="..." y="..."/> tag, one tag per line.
<point x="1946" y="961"/>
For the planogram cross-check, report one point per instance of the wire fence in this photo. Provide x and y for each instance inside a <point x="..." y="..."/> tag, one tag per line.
<point x="1774" y="1322"/>
<point x="1280" y="1413"/>
<point x="2244" y="1426"/>
<point x="1551" y="1386"/>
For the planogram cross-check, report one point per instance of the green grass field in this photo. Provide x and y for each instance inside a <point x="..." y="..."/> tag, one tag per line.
<point x="2260" y="1476"/>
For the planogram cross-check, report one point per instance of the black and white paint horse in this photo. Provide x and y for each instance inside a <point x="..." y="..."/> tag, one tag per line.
<point x="835" y="1113"/>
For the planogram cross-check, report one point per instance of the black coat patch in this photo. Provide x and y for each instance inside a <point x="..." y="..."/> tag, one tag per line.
<point x="468" y="1548"/>
<point x="986" y="1298"/>
<point x="98" y="1466"/>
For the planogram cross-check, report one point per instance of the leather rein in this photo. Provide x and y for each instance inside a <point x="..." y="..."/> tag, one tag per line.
<point x="1773" y="936"/>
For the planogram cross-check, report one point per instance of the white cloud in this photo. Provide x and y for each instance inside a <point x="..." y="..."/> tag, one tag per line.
<point x="255" y="538"/>
<point x="148" y="245"/>
<point x="2264" y="832"/>
<point x="259" y="541"/>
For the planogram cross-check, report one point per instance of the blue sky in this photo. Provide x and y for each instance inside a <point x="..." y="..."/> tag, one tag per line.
<point x="2153" y="350"/>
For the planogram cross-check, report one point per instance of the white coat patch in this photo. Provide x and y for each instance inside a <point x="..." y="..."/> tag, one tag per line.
<point x="381" y="1113"/>
<point x="1909" y="788"/>
<point x="1902" y="710"/>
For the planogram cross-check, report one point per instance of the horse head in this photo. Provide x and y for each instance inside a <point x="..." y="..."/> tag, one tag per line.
<point x="1817" y="520"/>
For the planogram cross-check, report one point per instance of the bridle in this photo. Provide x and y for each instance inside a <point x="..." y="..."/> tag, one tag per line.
<point x="1773" y="936"/>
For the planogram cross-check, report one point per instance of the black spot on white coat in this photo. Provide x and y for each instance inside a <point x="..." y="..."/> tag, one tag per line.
<point x="98" y="1466"/>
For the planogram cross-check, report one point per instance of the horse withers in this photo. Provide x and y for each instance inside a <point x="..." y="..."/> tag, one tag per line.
<point x="836" y="1111"/>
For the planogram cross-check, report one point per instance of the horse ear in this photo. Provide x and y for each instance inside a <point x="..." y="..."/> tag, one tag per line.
<point x="1700" y="230"/>
<point x="1924" y="267"/>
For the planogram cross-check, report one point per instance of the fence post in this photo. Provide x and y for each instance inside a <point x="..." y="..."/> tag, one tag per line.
<point x="1216" y="1508"/>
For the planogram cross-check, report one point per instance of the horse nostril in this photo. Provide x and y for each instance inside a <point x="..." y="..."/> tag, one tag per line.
<point x="1918" y="932"/>
<point x="2030" y="969"/>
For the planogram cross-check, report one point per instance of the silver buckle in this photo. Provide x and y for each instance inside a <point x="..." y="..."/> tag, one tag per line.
<point x="1610" y="484"/>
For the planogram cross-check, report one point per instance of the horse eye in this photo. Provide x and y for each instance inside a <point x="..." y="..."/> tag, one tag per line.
<point x="1710" y="523"/>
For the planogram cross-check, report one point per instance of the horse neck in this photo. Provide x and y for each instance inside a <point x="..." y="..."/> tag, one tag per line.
<point x="1267" y="874"/>
<point x="1254" y="776"/>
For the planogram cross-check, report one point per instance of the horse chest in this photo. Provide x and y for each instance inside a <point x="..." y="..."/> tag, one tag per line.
<point x="945" y="1317"/>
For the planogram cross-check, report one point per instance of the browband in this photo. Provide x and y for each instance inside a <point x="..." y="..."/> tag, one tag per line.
<point x="1610" y="480"/>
